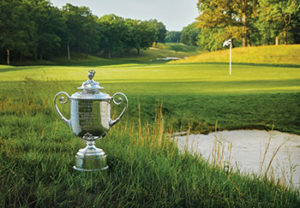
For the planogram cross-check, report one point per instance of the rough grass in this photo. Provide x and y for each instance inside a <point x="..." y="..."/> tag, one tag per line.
<point x="282" y="54"/>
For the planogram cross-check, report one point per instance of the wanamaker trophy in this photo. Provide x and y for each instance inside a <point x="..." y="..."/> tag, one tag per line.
<point x="90" y="120"/>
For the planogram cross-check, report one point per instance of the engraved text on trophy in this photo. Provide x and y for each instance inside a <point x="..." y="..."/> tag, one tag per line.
<point x="90" y="117"/>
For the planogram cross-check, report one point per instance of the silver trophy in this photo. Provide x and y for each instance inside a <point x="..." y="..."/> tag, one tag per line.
<point x="90" y="120"/>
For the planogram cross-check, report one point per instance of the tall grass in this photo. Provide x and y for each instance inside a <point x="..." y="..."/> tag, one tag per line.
<point x="146" y="169"/>
<point x="268" y="172"/>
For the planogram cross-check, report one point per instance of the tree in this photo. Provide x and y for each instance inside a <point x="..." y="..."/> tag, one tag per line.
<point x="113" y="30"/>
<point x="173" y="36"/>
<point x="227" y="17"/>
<point x="34" y="29"/>
<point x="246" y="10"/>
<point x="159" y="29"/>
<point x="132" y="36"/>
<point x="295" y="27"/>
<point x="210" y="39"/>
<point x="161" y="32"/>
<point x="47" y="28"/>
<point x="189" y="34"/>
<point x="82" y="32"/>
<point x="276" y="16"/>
<point x="147" y="34"/>
<point x="15" y="30"/>
<point x="140" y="34"/>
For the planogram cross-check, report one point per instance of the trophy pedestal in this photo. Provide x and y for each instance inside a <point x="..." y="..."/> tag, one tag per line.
<point x="90" y="158"/>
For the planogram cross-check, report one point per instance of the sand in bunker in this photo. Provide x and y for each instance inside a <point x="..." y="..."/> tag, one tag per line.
<point x="247" y="151"/>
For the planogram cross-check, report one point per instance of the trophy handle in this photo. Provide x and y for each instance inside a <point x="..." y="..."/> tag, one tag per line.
<point x="118" y="102"/>
<point x="62" y="100"/>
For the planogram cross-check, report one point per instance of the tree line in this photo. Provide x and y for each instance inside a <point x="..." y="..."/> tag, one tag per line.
<point x="246" y="22"/>
<point x="35" y="29"/>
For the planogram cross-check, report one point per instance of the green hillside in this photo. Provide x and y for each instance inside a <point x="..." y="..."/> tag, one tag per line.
<point x="282" y="54"/>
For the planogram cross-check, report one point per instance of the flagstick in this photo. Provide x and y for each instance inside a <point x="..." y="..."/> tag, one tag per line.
<point x="230" y="58"/>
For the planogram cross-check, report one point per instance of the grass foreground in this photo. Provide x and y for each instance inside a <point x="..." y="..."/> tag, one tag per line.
<point x="146" y="169"/>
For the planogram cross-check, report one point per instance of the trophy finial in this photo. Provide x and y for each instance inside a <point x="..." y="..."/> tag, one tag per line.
<point x="91" y="74"/>
<point x="90" y="86"/>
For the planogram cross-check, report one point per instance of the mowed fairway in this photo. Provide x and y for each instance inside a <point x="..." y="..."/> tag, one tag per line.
<point x="194" y="95"/>
<point x="170" y="78"/>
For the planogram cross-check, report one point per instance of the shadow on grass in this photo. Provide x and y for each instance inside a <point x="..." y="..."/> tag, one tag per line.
<point x="119" y="61"/>
<point x="114" y="62"/>
<point x="82" y="63"/>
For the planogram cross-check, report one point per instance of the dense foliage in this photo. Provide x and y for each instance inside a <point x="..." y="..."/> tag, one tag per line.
<point x="173" y="36"/>
<point x="189" y="34"/>
<point x="246" y="22"/>
<point x="34" y="29"/>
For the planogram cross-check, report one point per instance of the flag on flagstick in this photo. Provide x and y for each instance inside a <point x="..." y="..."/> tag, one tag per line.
<point x="228" y="43"/>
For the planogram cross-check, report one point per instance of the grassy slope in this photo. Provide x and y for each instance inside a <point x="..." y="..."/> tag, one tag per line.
<point x="282" y="54"/>
<point x="146" y="56"/>
<point x="146" y="170"/>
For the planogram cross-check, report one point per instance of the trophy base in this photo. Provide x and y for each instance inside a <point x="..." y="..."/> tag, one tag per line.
<point x="90" y="158"/>
<point x="89" y="170"/>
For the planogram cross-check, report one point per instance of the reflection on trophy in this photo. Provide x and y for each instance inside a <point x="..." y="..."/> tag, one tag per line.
<point x="90" y="120"/>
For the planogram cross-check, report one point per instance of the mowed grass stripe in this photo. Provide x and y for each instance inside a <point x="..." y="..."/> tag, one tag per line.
<point x="150" y="73"/>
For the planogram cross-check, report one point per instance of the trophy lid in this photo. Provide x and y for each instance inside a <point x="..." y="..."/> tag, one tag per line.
<point x="90" y="89"/>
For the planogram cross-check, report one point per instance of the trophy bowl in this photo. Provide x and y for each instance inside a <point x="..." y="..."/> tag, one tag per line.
<point x="90" y="119"/>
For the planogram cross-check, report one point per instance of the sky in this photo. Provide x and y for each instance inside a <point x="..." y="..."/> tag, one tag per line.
<point x="175" y="14"/>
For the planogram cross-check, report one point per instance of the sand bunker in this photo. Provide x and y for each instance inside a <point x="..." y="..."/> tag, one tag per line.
<point x="246" y="149"/>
